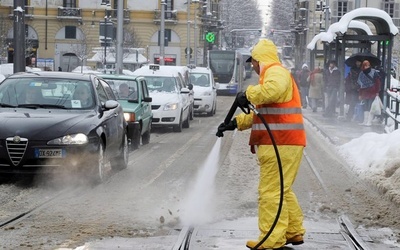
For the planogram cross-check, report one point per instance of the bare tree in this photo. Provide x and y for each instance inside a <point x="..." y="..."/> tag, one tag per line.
<point x="82" y="47"/>
<point x="5" y="26"/>
<point x="281" y="15"/>
<point x="130" y="43"/>
<point x="238" y="14"/>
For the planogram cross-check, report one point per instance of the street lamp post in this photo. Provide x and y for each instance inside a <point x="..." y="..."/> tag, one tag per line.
<point x="19" y="36"/>
<point x="188" y="33"/>
<point x="162" y="33"/>
<point x="195" y="34"/>
<point x="107" y="6"/>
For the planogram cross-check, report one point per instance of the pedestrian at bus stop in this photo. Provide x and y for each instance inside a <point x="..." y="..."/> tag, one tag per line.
<point x="315" y="93"/>
<point x="304" y="84"/>
<point x="277" y="99"/>
<point x="332" y="83"/>
<point x="370" y="83"/>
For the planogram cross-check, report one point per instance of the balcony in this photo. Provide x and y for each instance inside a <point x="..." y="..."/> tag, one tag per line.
<point x="113" y="14"/>
<point x="28" y="12"/>
<point x="170" y="16"/>
<point x="67" y="13"/>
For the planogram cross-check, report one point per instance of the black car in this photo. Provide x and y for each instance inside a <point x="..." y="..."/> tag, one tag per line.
<point x="53" y="121"/>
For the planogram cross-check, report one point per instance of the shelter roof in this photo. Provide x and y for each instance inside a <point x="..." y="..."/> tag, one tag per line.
<point x="380" y="19"/>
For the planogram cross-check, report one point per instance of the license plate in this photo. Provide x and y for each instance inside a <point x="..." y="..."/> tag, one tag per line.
<point x="49" y="153"/>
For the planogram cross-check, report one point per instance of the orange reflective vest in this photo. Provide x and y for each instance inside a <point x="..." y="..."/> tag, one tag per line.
<point x="285" y="120"/>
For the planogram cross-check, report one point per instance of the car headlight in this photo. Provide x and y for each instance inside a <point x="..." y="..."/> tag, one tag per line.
<point x="207" y="93"/>
<point x="129" y="117"/>
<point x="171" y="106"/>
<point x="76" y="139"/>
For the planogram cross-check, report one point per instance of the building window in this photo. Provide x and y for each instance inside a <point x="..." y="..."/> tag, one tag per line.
<point x="389" y="7"/>
<point x="342" y="8"/>
<point x="70" y="32"/>
<point x="69" y="3"/>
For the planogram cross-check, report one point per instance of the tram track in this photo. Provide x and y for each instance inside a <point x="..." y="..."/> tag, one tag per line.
<point x="22" y="215"/>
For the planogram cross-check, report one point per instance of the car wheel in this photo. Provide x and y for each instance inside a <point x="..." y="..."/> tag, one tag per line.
<point x="191" y="113"/>
<point x="98" y="173"/>
<point x="212" y="112"/>
<point x="135" y="140"/>
<point x="178" y="128"/>
<point x="186" y="123"/>
<point x="121" y="161"/>
<point x="146" y="136"/>
<point x="215" y="108"/>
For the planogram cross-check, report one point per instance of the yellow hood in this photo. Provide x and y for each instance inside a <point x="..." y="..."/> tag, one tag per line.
<point x="265" y="52"/>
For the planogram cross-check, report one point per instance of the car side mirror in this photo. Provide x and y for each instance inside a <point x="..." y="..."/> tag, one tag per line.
<point x="190" y="86"/>
<point x="110" y="104"/>
<point x="148" y="99"/>
<point x="185" y="91"/>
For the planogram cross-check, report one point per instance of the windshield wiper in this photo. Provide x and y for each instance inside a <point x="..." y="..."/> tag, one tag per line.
<point x="57" y="106"/>
<point x="35" y="106"/>
<point x="6" y="105"/>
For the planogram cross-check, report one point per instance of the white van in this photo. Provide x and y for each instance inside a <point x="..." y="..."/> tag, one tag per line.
<point x="170" y="95"/>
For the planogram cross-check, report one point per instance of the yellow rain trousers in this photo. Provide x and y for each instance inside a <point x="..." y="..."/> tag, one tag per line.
<point x="290" y="221"/>
<point x="274" y="87"/>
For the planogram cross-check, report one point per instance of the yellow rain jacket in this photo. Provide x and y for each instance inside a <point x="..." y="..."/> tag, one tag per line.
<point x="276" y="97"/>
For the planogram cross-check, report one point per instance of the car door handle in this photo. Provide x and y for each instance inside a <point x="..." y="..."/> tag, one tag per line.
<point x="115" y="114"/>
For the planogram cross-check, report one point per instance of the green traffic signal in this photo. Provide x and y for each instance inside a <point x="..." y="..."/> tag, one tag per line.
<point x="210" y="37"/>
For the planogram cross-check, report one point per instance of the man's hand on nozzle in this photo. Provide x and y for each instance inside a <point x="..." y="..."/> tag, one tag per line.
<point x="232" y="125"/>
<point x="241" y="99"/>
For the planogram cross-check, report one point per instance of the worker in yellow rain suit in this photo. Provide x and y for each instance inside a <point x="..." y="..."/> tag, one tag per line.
<point x="277" y="99"/>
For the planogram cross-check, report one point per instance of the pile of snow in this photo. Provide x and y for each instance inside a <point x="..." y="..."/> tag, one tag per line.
<point x="376" y="157"/>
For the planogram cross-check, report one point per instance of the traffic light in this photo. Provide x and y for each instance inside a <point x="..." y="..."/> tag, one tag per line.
<point x="210" y="37"/>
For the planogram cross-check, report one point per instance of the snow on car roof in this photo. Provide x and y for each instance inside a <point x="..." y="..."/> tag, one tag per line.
<point x="200" y="70"/>
<point x="162" y="71"/>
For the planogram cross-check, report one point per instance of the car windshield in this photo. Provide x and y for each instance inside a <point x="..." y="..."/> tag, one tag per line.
<point x="161" y="84"/>
<point x="46" y="93"/>
<point x="124" y="88"/>
<point x="200" y="79"/>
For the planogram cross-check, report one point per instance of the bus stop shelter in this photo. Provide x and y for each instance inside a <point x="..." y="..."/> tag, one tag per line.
<point x="366" y="29"/>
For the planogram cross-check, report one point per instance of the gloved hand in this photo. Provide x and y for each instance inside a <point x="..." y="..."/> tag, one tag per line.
<point x="241" y="99"/>
<point x="232" y="125"/>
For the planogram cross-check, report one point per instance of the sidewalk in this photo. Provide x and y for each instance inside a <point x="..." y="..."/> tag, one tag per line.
<point x="336" y="130"/>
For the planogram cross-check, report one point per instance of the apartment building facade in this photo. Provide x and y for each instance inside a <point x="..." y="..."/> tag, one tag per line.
<point x="65" y="33"/>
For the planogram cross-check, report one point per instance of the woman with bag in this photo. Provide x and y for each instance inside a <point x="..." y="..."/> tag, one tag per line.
<point x="370" y="83"/>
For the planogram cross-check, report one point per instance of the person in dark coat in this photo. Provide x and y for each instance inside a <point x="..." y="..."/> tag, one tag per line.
<point x="332" y="83"/>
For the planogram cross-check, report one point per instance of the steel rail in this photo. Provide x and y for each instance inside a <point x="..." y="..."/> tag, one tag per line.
<point x="35" y="208"/>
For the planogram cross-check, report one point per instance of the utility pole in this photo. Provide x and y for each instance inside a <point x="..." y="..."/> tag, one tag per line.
<point x="188" y="33"/>
<point x="107" y="6"/>
<point x="19" y="36"/>
<point x="120" y="38"/>
<point x="162" y="33"/>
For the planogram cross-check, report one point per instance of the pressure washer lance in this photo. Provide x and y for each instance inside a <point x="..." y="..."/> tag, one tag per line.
<point x="246" y="110"/>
